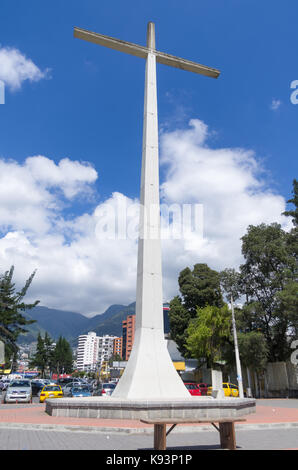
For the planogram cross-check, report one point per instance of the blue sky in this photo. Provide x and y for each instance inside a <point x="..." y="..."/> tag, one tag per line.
<point x="88" y="107"/>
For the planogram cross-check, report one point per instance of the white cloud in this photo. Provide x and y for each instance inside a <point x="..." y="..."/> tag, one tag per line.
<point x="15" y="68"/>
<point x="231" y="186"/>
<point x="32" y="195"/>
<point x="80" y="271"/>
<point x="275" y="104"/>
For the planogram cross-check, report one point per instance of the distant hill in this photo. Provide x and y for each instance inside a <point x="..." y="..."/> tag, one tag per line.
<point x="110" y="322"/>
<point x="55" y="322"/>
<point x="70" y="325"/>
<point x="111" y="312"/>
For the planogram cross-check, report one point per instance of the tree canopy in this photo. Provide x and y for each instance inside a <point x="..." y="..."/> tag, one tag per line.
<point x="267" y="281"/>
<point x="43" y="357"/>
<point x="266" y="288"/>
<point x="208" y="333"/>
<point x="12" y="322"/>
<point x="62" y="359"/>
<point x="199" y="288"/>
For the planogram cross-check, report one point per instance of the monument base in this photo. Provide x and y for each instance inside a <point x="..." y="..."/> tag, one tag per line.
<point x="191" y="408"/>
<point x="150" y="371"/>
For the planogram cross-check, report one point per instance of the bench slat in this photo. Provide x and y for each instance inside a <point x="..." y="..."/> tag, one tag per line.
<point x="186" y="421"/>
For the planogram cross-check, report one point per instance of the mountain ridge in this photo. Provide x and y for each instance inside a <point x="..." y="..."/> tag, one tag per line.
<point x="70" y="324"/>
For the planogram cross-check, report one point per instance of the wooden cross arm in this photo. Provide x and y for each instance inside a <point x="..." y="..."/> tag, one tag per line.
<point x="142" y="52"/>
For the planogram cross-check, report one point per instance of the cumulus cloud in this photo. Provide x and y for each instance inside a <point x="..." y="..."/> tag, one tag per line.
<point x="31" y="194"/>
<point x="229" y="183"/>
<point x="81" y="267"/>
<point x="15" y="68"/>
<point x="275" y="104"/>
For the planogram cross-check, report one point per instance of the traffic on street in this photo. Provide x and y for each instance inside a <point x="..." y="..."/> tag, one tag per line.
<point x="20" y="390"/>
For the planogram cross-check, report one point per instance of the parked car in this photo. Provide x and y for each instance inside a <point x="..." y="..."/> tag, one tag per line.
<point x="80" y="391"/>
<point x="104" y="389"/>
<point x="230" y="390"/>
<point x="67" y="387"/>
<point x="37" y="386"/>
<point x="114" y="381"/>
<point x="18" y="391"/>
<point x="203" y="387"/>
<point x="50" y="391"/>
<point x="193" y="388"/>
<point x="67" y="380"/>
<point x="4" y="384"/>
<point x="48" y="381"/>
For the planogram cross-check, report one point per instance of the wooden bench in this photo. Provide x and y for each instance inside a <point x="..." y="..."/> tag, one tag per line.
<point x="226" y="429"/>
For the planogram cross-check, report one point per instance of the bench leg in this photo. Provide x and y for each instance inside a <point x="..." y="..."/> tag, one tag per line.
<point x="227" y="436"/>
<point x="160" y="440"/>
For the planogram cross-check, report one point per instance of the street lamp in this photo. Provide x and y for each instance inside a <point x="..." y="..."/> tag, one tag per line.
<point x="237" y="356"/>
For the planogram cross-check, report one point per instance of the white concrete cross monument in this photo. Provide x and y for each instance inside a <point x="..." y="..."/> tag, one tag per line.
<point x="150" y="373"/>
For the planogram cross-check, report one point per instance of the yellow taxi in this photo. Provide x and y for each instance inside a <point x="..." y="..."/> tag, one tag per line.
<point x="230" y="390"/>
<point x="50" y="391"/>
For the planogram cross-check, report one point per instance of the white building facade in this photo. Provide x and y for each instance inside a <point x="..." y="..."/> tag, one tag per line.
<point x="105" y="348"/>
<point x="87" y="352"/>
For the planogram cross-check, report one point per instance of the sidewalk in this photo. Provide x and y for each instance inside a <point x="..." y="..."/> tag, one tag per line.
<point x="269" y="414"/>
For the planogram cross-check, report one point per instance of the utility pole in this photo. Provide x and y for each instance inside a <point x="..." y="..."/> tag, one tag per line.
<point x="238" y="365"/>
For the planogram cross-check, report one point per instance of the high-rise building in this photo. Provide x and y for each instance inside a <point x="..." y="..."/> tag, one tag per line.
<point x="105" y="348"/>
<point x="128" y="334"/>
<point x="87" y="352"/>
<point x="128" y="331"/>
<point x="117" y="347"/>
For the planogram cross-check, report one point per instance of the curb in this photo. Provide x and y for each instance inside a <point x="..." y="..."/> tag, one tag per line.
<point x="149" y="431"/>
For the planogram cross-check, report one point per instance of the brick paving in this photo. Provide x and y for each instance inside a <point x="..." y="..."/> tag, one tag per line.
<point x="275" y="411"/>
<point x="27" y="427"/>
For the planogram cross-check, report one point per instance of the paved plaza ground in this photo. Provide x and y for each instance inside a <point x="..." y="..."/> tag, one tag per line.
<point x="28" y="427"/>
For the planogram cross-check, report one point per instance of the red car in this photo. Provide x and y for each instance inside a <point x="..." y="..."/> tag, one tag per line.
<point x="193" y="388"/>
<point x="203" y="387"/>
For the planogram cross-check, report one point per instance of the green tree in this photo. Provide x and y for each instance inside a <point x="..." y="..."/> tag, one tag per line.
<point x="288" y="303"/>
<point x="114" y="358"/>
<point x="179" y="318"/>
<point x="39" y="359"/>
<point x="288" y="296"/>
<point x="62" y="357"/>
<point x="12" y="322"/>
<point x="79" y="373"/>
<point x="253" y="350"/>
<point x="230" y="281"/>
<point x="43" y="357"/>
<point x="252" y="346"/>
<point x="208" y="333"/>
<point x="294" y="200"/>
<point x="269" y="267"/>
<point x="199" y="288"/>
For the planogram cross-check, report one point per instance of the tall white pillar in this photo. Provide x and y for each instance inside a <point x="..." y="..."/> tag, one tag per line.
<point x="150" y="372"/>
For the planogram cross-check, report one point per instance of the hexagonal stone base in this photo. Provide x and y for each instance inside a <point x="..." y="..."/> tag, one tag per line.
<point x="114" y="408"/>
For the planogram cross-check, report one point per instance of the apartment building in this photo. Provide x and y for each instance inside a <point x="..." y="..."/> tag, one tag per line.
<point x="128" y="335"/>
<point x="87" y="352"/>
<point x="105" y="348"/>
<point x="117" y="347"/>
<point x="128" y="331"/>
